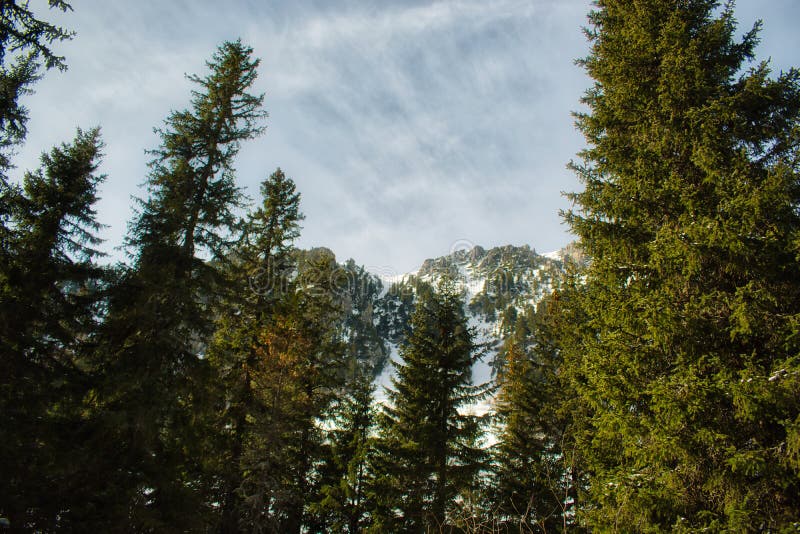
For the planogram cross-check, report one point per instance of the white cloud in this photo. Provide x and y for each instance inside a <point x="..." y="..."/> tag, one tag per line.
<point x="406" y="127"/>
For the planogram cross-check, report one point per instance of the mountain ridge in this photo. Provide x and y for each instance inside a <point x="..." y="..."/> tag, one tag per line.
<point x="498" y="284"/>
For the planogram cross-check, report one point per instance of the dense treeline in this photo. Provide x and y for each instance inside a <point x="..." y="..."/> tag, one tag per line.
<point x="207" y="385"/>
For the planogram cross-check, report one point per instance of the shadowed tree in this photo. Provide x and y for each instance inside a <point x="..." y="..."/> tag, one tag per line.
<point x="25" y="43"/>
<point x="537" y="477"/>
<point x="48" y="309"/>
<point x="297" y="372"/>
<point x="155" y="395"/>
<point x="344" y="500"/>
<point x="259" y="268"/>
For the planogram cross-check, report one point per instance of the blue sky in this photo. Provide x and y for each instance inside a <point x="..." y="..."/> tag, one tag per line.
<point x="410" y="127"/>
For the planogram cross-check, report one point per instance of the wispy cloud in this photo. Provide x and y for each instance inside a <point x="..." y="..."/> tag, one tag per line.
<point x="426" y="118"/>
<point x="408" y="125"/>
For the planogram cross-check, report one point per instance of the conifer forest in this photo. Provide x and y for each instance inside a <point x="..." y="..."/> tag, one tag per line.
<point x="217" y="377"/>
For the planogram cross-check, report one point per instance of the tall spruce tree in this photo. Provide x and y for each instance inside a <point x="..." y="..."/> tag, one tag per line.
<point x="160" y="318"/>
<point x="528" y="477"/>
<point x="429" y="446"/>
<point x="259" y="267"/>
<point x="48" y="307"/>
<point x="689" y="214"/>
<point x="25" y="43"/>
<point x="297" y="372"/>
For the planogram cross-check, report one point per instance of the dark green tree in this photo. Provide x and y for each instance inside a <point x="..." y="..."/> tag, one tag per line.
<point x="259" y="268"/>
<point x="272" y="229"/>
<point x="346" y="477"/>
<point x="48" y="308"/>
<point x="25" y="44"/>
<point x="429" y="446"/>
<point x="537" y="477"/>
<point x="523" y="491"/>
<point x="155" y="394"/>
<point x="297" y="372"/>
<point x="689" y="364"/>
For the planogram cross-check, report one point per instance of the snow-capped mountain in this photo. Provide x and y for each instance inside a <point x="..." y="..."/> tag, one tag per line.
<point x="498" y="284"/>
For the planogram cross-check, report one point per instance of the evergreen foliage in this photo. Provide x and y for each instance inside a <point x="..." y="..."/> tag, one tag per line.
<point x="689" y="213"/>
<point x="154" y="393"/>
<point x="528" y="469"/>
<point x="25" y="41"/>
<point x="258" y="269"/>
<point x="537" y="474"/>
<point x="299" y="372"/>
<point x="346" y="478"/>
<point x="48" y="309"/>
<point x="429" y="451"/>
<point x="25" y="44"/>
<point x="223" y="381"/>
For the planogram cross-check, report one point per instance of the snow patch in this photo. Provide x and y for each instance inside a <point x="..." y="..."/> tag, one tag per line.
<point x="384" y="380"/>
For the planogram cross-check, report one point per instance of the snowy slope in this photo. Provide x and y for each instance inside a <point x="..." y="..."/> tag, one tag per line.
<point x="496" y="284"/>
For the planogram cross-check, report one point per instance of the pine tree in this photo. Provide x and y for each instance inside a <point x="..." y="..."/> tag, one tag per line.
<point x="522" y="490"/>
<point x="48" y="307"/>
<point x="536" y="477"/>
<point x="259" y="268"/>
<point x="25" y="43"/>
<point x="346" y="477"/>
<point x="689" y="214"/>
<point x="298" y="370"/>
<point x="155" y="395"/>
<point x="429" y="450"/>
